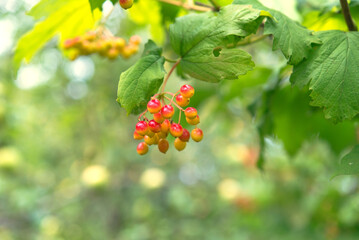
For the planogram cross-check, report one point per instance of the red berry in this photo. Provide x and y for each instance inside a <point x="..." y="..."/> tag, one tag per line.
<point x="165" y="126"/>
<point x="185" y="136"/>
<point x="154" y="126"/>
<point x="193" y="121"/>
<point x="167" y="111"/>
<point x="179" y="145"/>
<point x="158" y="117"/>
<point x="141" y="128"/>
<point x="154" y="105"/>
<point x="142" y="148"/>
<point x="137" y="136"/>
<point x="163" y="145"/>
<point x="126" y="4"/>
<point x="181" y="100"/>
<point x="190" y="112"/>
<point x="197" y="134"/>
<point x="176" y="130"/>
<point x="187" y="91"/>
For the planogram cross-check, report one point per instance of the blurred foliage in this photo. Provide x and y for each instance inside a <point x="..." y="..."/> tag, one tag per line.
<point x="69" y="169"/>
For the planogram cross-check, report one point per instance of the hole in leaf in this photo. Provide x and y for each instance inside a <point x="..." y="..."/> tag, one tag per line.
<point x="217" y="51"/>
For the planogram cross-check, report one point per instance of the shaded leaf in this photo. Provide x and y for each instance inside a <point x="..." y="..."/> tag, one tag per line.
<point x="142" y="80"/>
<point x="332" y="74"/>
<point x="349" y="164"/>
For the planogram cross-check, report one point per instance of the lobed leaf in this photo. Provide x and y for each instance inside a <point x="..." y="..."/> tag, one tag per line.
<point x="138" y="83"/>
<point x="294" y="40"/>
<point x="72" y="18"/>
<point x="332" y="72"/>
<point x="199" y="39"/>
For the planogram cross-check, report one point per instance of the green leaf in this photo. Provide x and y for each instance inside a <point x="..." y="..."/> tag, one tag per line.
<point x="332" y="72"/>
<point x="141" y="81"/>
<point x="295" y="122"/>
<point x="349" y="164"/>
<point x="70" y="19"/>
<point x="294" y="40"/>
<point x="199" y="39"/>
<point x="97" y="4"/>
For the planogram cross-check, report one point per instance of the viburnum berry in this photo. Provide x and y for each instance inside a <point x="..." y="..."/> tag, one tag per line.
<point x="136" y="40"/>
<point x="179" y="145"/>
<point x="126" y="4"/>
<point x="158" y="117"/>
<point x="149" y="140"/>
<point x="167" y="111"/>
<point x="193" y="121"/>
<point x="142" y="148"/>
<point x="187" y="91"/>
<point x="181" y="100"/>
<point x="197" y="134"/>
<point x="185" y="136"/>
<point x="162" y="134"/>
<point x="100" y="42"/>
<point x="163" y="145"/>
<point x="142" y="128"/>
<point x="150" y="133"/>
<point x="154" y="105"/>
<point x="137" y="136"/>
<point x="154" y="126"/>
<point x="190" y="112"/>
<point x="165" y="126"/>
<point x="156" y="130"/>
<point x="176" y="130"/>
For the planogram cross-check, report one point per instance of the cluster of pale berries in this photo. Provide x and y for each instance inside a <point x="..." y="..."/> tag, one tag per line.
<point x="156" y="130"/>
<point x="97" y="42"/>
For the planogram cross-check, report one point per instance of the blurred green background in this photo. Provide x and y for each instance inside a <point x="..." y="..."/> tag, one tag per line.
<point x="69" y="167"/>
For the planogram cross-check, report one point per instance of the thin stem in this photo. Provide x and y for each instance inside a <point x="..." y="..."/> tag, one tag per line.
<point x="186" y="5"/>
<point x="139" y="117"/>
<point x="104" y="18"/>
<point x="348" y="18"/>
<point x="170" y="60"/>
<point x="215" y="5"/>
<point x="168" y="75"/>
<point x="179" y="118"/>
<point x="251" y="40"/>
<point x="207" y="6"/>
<point x="172" y="102"/>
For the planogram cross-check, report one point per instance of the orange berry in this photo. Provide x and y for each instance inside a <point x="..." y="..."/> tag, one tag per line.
<point x="142" y="148"/>
<point x="167" y="111"/>
<point x="181" y="100"/>
<point x="163" y="145"/>
<point x="187" y="91"/>
<point x="154" y="105"/>
<point x="137" y="136"/>
<point x="190" y="112"/>
<point x="193" y="121"/>
<point x="142" y="128"/>
<point x="158" y="117"/>
<point x="136" y="40"/>
<point x="176" y="130"/>
<point x="126" y="4"/>
<point x="185" y="136"/>
<point x="197" y="134"/>
<point x="179" y="145"/>
<point x="165" y="126"/>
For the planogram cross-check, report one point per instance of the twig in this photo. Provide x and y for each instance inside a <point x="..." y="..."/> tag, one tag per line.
<point x="348" y="18"/>
<point x="215" y="5"/>
<point x="168" y="75"/>
<point x="251" y="40"/>
<point x="186" y="5"/>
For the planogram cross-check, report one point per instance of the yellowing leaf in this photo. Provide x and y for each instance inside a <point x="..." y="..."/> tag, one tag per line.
<point x="72" y="18"/>
<point x="148" y="12"/>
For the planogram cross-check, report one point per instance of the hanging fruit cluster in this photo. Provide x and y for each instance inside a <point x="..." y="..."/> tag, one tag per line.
<point x="102" y="43"/>
<point x="156" y="130"/>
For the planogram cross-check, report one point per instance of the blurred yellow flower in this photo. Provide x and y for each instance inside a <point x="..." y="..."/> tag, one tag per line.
<point x="153" y="178"/>
<point x="95" y="176"/>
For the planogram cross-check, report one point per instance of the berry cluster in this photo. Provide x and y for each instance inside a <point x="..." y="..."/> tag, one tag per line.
<point x="156" y="130"/>
<point x="104" y="44"/>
